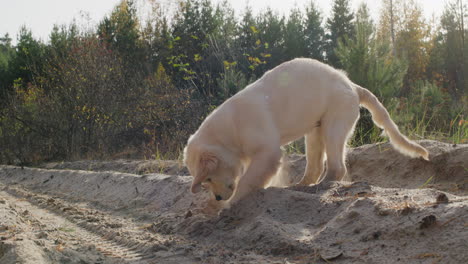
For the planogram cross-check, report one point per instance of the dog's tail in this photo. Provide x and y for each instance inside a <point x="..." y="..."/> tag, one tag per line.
<point x="382" y="119"/>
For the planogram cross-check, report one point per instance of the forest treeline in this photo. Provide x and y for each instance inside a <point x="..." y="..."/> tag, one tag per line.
<point x="138" y="87"/>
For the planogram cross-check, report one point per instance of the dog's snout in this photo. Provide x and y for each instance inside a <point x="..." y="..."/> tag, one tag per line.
<point x="218" y="197"/>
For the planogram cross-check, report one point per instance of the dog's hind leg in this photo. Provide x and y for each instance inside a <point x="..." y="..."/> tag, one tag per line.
<point x="315" y="148"/>
<point x="337" y="129"/>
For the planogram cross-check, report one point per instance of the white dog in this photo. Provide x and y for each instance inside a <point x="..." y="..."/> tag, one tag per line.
<point x="236" y="150"/>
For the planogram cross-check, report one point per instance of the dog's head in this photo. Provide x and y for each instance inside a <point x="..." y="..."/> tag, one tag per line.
<point x="213" y="168"/>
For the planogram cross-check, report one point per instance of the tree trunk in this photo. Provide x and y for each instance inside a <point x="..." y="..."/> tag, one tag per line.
<point x="392" y="28"/>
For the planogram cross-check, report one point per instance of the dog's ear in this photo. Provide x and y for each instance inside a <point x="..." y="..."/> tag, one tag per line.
<point x="208" y="163"/>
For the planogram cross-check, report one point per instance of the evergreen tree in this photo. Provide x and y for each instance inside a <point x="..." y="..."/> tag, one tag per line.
<point x="368" y="60"/>
<point x="157" y="37"/>
<point x="160" y="79"/>
<point x="370" y="63"/>
<point x="389" y="22"/>
<point x="61" y="39"/>
<point x="411" y="43"/>
<point x="28" y="59"/>
<point x="354" y="55"/>
<point x="249" y="43"/>
<point x="6" y="53"/>
<point x="193" y="59"/>
<point x="272" y="36"/>
<point x="158" y="42"/>
<point x="227" y="26"/>
<point x="340" y="28"/>
<point x="314" y="33"/>
<point x="120" y="31"/>
<point x="294" y="36"/>
<point x="455" y="48"/>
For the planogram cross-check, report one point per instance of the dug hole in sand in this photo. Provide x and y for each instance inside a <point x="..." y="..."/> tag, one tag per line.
<point x="393" y="210"/>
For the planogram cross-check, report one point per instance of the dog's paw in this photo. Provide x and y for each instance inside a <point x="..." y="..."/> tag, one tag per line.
<point x="224" y="207"/>
<point x="302" y="183"/>
<point x="211" y="208"/>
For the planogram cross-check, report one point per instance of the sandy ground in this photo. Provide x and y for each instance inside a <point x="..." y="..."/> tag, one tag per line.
<point x="395" y="210"/>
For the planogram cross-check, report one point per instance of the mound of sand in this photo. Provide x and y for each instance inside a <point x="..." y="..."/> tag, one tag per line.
<point x="381" y="165"/>
<point x="139" y="167"/>
<point x="396" y="210"/>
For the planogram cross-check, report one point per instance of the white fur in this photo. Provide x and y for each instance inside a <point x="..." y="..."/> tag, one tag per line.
<point x="238" y="144"/>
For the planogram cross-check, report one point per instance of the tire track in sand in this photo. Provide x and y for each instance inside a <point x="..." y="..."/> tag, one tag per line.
<point x="116" y="238"/>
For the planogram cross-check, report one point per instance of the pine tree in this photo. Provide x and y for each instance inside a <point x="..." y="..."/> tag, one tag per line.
<point x="6" y="53"/>
<point x="389" y="22"/>
<point x="156" y="37"/>
<point x="294" y="35"/>
<point x="61" y="39"/>
<point x="455" y="48"/>
<point x="314" y="32"/>
<point x="120" y="31"/>
<point x="227" y="25"/>
<point x="368" y="60"/>
<point x="271" y="34"/>
<point x="354" y="54"/>
<point x="412" y="44"/>
<point x="249" y="43"/>
<point x="340" y="28"/>
<point x="28" y="59"/>
<point x="369" y="63"/>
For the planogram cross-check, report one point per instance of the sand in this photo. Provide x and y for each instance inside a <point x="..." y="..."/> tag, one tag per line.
<point x="391" y="209"/>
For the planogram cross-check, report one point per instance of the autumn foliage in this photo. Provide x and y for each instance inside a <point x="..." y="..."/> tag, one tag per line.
<point x="134" y="87"/>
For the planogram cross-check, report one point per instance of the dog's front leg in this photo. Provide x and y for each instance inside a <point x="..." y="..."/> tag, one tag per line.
<point x="262" y="167"/>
